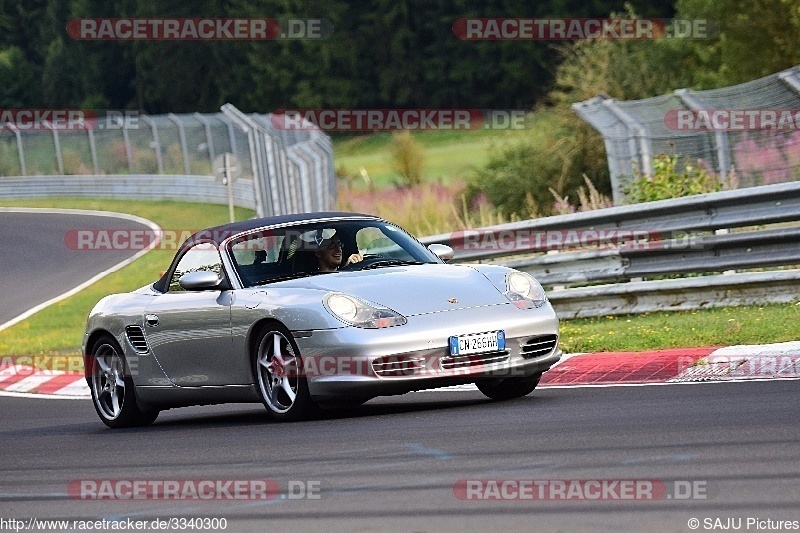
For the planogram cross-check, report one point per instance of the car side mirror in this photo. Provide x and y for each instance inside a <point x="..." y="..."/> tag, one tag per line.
<point x="201" y="280"/>
<point x="442" y="251"/>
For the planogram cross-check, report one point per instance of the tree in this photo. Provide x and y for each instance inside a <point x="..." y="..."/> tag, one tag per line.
<point x="755" y="39"/>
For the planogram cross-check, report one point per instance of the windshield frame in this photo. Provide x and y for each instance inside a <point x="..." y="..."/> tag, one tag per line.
<point x="416" y="251"/>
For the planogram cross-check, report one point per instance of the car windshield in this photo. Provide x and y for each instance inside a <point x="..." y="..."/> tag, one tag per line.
<point x="278" y="254"/>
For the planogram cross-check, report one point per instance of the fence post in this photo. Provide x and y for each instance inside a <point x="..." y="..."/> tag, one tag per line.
<point x="693" y="102"/>
<point x="209" y="140"/>
<point x="185" y="149"/>
<point x="59" y="159"/>
<point x="249" y="128"/>
<point x="93" y="150"/>
<point x="127" y="140"/>
<point x="20" y="150"/>
<point x="789" y="79"/>
<point x="159" y="159"/>
<point x="638" y="134"/>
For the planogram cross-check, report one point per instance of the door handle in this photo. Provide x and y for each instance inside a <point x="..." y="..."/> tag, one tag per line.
<point x="151" y="320"/>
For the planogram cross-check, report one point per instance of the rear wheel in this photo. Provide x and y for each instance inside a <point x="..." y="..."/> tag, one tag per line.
<point x="112" y="387"/>
<point x="279" y="373"/>
<point x="508" y="388"/>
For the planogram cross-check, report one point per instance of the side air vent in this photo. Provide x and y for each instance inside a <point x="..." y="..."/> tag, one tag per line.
<point x="136" y="338"/>
<point x="539" y="346"/>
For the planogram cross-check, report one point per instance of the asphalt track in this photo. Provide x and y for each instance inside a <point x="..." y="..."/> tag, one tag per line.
<point x="36" y="264"/>
<point x="396" y="464"/>
<point x="392" y="464"/>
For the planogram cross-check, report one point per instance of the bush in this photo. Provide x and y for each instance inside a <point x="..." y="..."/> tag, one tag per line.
<point x="145" y="162"/>
<point x="9" y="158"/>
<point x="518" y="179"/>
<point x="589" y="199"/>
<point x="115" y="160"/>
<point x="408" y="158"/>
<point x="669" y="181"/>
<point x="72" y="163"/>
<point x="552" y="165"/>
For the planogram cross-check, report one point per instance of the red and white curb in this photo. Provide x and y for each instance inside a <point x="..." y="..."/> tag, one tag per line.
<point x="19" y="380"/>
<point x="678" y="365"/>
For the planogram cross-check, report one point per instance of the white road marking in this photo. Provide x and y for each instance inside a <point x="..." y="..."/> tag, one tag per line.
<point x="149" y="223"/>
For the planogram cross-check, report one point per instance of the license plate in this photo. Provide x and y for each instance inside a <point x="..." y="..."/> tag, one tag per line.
<point x="493" y="341"/>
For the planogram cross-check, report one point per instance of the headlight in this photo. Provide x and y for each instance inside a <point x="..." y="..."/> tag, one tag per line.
<point x="358" y="313"/>
<point x="524" y="291"/>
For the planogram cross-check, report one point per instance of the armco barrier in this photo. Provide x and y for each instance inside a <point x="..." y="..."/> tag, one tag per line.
<point x="204" y="189"/>
<point x="663" y="238"/>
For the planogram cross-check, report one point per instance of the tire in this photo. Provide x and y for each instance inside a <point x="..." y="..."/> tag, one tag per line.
<point x="509" y="388"/>
<point x="281" y="382"/>
<point x="112" y="388"/>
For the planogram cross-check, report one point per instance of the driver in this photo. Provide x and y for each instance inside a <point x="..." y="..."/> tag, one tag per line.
<point x="329" y="255"/>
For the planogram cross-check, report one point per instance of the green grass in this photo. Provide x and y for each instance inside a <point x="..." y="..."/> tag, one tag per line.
<point x="724" y="326"/>
<point x="59" y="328"/>
<point x="450" y="155"/>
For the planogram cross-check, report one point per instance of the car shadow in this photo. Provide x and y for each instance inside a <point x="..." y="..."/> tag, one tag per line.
<point x="382" y="406"/>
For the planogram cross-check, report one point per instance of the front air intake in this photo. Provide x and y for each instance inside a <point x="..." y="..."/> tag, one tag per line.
<point x="539" y="346"/>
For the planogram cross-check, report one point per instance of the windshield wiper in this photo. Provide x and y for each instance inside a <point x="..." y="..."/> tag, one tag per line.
<point x="391" y="262"/>
<point x="286" y="277"/>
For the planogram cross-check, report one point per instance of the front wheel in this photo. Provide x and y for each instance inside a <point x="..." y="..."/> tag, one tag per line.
<point x="508" y="388"/>
<point x="281" y="380"/>
<point x="112" y="387"/>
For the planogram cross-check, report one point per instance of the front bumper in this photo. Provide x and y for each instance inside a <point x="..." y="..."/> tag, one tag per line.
<point x="341" y="363"/>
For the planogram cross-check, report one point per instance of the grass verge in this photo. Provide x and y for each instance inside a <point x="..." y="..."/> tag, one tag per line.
<point x="450" y="156"/>
<point x="59" y="328"/>
<point x="723" y="326"/>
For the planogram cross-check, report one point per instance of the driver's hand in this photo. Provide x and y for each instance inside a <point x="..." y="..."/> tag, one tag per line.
<point x="355" y="258"/>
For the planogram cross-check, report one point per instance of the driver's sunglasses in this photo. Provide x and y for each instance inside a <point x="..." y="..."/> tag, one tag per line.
<point x="334" y="245"/>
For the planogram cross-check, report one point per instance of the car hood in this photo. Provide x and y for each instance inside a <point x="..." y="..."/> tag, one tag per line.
<point x="414" y="289"/>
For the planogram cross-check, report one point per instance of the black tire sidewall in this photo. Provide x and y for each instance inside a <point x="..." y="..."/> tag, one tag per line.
<point x="303" y="407"/>
<point x="130" y="415"/>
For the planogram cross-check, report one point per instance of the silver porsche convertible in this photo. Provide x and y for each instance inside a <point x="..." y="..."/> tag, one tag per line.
<point x="300" y="311"/>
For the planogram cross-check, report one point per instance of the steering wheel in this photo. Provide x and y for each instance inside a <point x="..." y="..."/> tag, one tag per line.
<point x="368" y="259"/>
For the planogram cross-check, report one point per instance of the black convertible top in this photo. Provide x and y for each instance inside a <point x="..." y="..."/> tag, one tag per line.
<point x="217" y="234"/>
